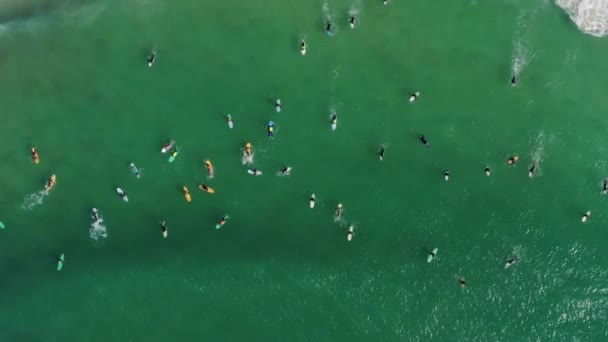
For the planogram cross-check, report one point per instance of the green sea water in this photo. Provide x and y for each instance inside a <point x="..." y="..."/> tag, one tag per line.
<point x="74" y="83"/>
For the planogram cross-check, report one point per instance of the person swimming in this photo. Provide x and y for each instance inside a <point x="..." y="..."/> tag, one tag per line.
<point x="151" y="58"/>
<point x="313" y="200"/>
<point x="463" y="282"/>
<point x="278" y="105"/>
<point x="270" y="128"/>
<point x="381" y="153"/>
<point x="533" y="170"/>
<point x="512" y="160"/>
<point x="351" y="21"/>
<point x="254" y="172"/>
<point x="350" y="233"/>
<point x="423" y="140"/>
<point x="134" y="170"/>
<point x="511" y="262"/>
<point x="339" y="212"/>
<point x="209" y="168"/>
<point x="414" y="96"/>
<point x="328" y="28"/>
<point x="488" y="171"/>
<point x="303" y="47"/>
<point x="586" y="216"/>
<point x="285" y="171"/>
<point x="446" y="175"/>
<point x="605" y="187"/>
<point x="513" y="80"/>
<point x="164" y="230"/>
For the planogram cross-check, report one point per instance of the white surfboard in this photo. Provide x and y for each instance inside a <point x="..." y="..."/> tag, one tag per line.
<point x="312" y="201"/>
<point x="432" y="255"/>
<point x="122" y="194"/>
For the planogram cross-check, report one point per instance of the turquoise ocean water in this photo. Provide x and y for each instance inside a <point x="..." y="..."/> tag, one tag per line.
<point x="74" y="83"/>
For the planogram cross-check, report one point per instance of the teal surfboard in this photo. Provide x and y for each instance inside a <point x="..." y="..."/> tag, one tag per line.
<point x="218" y="226"/>
<point x="2" y="225"/>
<point x="60" y="262"/>
<point x="172" y="157"/>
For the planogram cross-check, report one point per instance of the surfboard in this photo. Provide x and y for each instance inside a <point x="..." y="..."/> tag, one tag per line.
<point x="312" y="201"/>
<point x="432" y="255"/>
<point x="60" y="262"/>
<point x="187" y="194"/>
<point x="230" y="122"/>
<point x="122" y="194"/>
<point x="2" y="225"/>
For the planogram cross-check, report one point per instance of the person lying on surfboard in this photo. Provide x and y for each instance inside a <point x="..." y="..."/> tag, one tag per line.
<point x="35" y="155"/>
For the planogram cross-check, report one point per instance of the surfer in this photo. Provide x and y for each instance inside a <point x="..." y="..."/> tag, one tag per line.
<point x="60" y="262"/>
<point x="174" y="154"/>
<point x="431" y="255"/>
<point x="328" y="28"/>
<point x="586" y="216"/>
<point x="512" y="160"/>
<point x="423" y="140"/>
<point x="605" y="187"/>
<point x="339" y="212"/>
<point x="95" y="216"/>
<point x="446" y="175"/>
<point x="334" y="121"/>
<point x="50" y="183"/>
<point x="351" y="21"/>
<point x="533" y="170"/>
<point x="222" y="221"/>
<point x="381" y="153"/>
<point x="487" y="171"/>
<point x="248" y="155"/>
<point x="209" y="168"/>
<point x="313" y="200"/>
<point x="463" y="282"/>
<point x="511" y="262"/>
<point x="167" y="146"/>
<point x="163" y="228"/>
<point x="513" y="80"/>
<point x="35" y="155"/>
<point x="229" y="120"/>
<point x="254" y="172"/>
<point x="151" y="58"/>
<point x="414" y="96"/>
<point x="285" y="171"/>
<point x="270" y="128"/>
<point x="303" y="47"/>
<point x="135" y="170"/>
<point x="206" y="188"/>
<point x="122" y="194"/>
<point x="278" y="105"/>
<point x="350" y="233"/>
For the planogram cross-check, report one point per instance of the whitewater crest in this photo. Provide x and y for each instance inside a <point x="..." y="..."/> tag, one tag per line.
<point x="591" y="16"/>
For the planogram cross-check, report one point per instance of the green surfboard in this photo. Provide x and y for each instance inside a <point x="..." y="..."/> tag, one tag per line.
<point x="60" y="262"/>
<point x="2" y="225"/>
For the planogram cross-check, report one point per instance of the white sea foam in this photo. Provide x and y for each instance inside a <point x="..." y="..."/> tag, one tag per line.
<point x="591" y="16"/>
<point x="33" y="199"/>
<point x="521" y="57"/>
<point x="98" y="230"/>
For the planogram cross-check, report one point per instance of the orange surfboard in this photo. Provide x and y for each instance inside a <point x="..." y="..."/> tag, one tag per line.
<point x="187" y="194"/>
